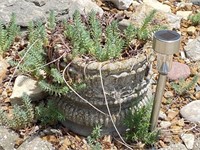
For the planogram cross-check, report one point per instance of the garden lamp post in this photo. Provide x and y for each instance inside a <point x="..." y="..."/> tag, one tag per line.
<point x="165" y="44"/>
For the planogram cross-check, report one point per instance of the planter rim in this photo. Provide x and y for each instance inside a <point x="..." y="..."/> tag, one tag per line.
<point x="110" y="65"/>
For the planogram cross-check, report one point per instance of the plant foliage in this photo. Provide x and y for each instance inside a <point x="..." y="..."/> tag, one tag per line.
<point x="8" y="34"/>
<point x="181" y="87"/>
<point x="137" y="123"/>
<point x="51" y="24"/>
<point x="195" y="19"/>
<point x="89" y="37"/>
<point x="21" y="117"/>
<point x="49" y="114"/>
<point x="93" y="139"/>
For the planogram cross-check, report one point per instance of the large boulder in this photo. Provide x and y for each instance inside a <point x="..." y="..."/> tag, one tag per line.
<point x="38" y="10"/>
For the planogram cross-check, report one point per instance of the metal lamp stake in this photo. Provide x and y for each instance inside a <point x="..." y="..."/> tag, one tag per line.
<point x="165" y="43"/>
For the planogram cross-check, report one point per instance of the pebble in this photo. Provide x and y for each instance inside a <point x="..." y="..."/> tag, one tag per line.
<point x="168" y="94"/>
<point x="181" y="122"/>
<point x="197" y="95"/>
<point x="179" y="71"/>
<point x="196" y="144"/>
<point x="172" y="114"/>
<point x="157" y="5"/>
<point x="177" y="146"/>
<point x="184" y="14"/>
<point x="162" y="115"/>
<point x="188" y="139"/>
<point x="191" y="111"/>
<point x="191" y="30"/>
<point x="165" y="124"/>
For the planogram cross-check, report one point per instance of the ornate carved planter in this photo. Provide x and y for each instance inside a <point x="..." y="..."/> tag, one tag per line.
<point x="126" y="83"/>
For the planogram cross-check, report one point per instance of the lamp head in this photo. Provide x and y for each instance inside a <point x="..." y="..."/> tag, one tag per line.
<point x="165" y="43"/>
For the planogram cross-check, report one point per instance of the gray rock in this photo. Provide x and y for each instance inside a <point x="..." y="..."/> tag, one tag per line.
<point x="163" y="18"/>
<point x="121" y="4"/>
<point x="38" y="2"/>
<point x="84" y="7"/>
<point x="24" y="84"/>
<point x="36" y="144"/>
<point x="184" y="14"/>
<point x="188" y="139"/>
<point x="177" y="146"/>
<point x="192" y="49"/>
<point x="179" y="71"/>
<point x="196" y="2"/>
<point x="197" y="88"/>
<point x="25" y="12"/>
<point x="197" y="144"/>
<point x="157" y="5"/>
<point x="173" y="20"/>
<point x="191" y="111"/>
<point x="7" y="138"/>
<point x="38" y="10"/>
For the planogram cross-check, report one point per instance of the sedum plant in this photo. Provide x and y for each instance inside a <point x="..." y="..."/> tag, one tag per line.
<point x="90" y="37"/>
<point x="182" y="86"/>
<point x="22" y="116"/>
<point x="138" y="123"/>
<point x="195" y="18"/>
<point x="93" y="139"/>
<point x="8" y="34"/>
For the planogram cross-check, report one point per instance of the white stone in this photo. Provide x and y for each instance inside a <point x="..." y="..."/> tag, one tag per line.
<point x="182" y="55"/>
<point x="192" y="49"/>
<point x="174" y="20"/>
<point x="121" y="4"/>
<point x="184" y="14"/>
<point x="157" y="5"/>
<point x="24" y="84"/>
<point x="191" y="111"/>
<point x="84" y="7"/>
<point x="188" y="139"/>
<point x="165" y="124"/>
<point x="162" y="115"/>
<point x="191" y="30"/>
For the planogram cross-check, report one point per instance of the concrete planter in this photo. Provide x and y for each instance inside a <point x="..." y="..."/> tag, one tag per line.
<point x="126" y="83"/>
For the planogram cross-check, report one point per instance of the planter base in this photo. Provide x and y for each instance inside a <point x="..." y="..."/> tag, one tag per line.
<point x="86" y="131"/>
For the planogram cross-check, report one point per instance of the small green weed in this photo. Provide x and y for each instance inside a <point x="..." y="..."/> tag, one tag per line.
<point x="93" y="139"/>
<point x="22" y="116"/>
<point x="138" y="126"/>
<point x="182" y="86"/>
<point x="195" y="18"/>
<point x="48" y="114"/>
<point x="8" y="34"/>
